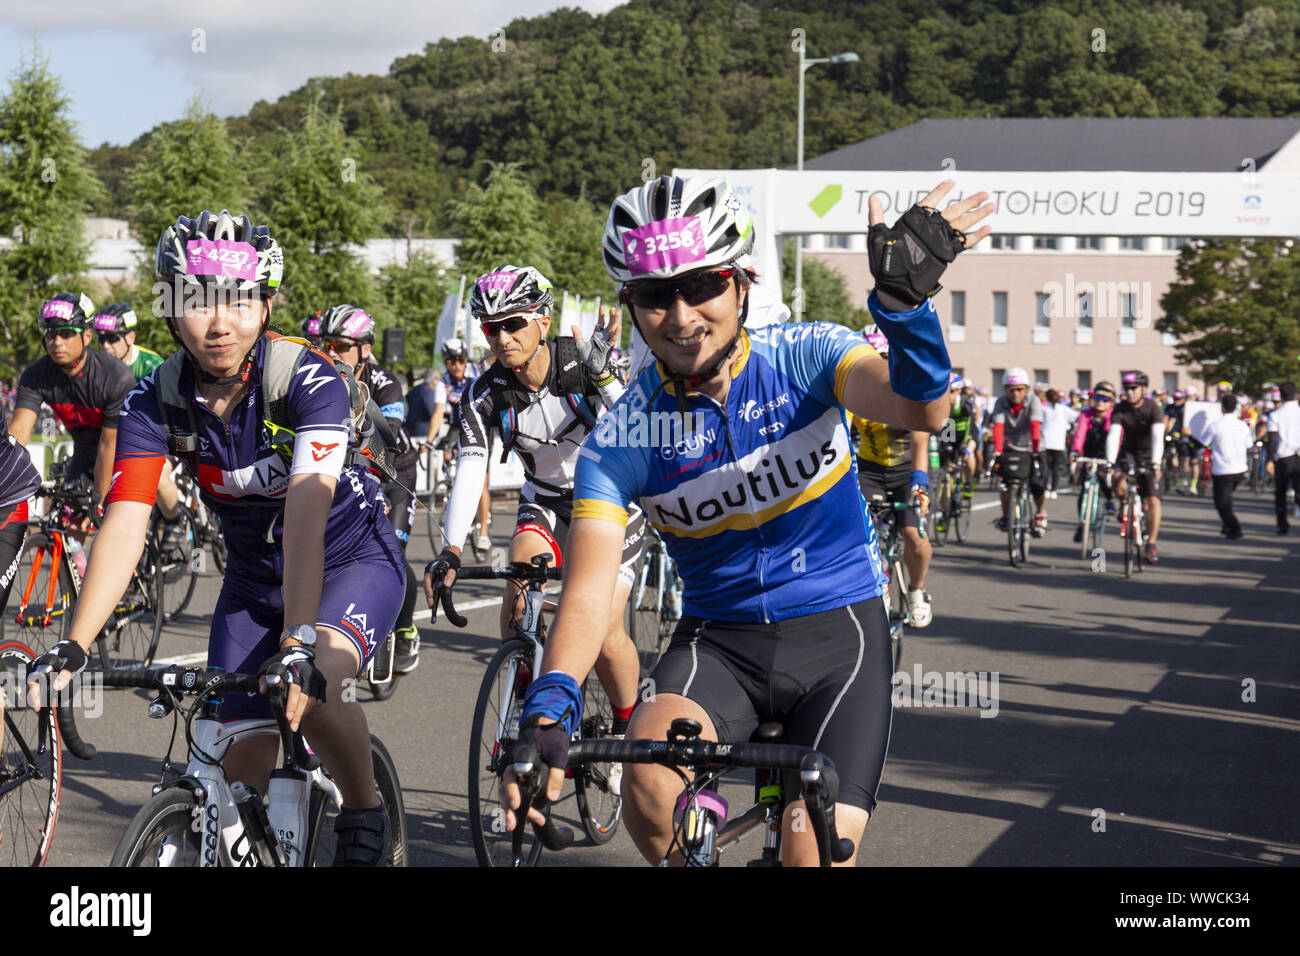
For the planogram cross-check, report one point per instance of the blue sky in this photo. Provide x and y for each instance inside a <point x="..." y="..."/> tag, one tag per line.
<point x="130" y="64"/>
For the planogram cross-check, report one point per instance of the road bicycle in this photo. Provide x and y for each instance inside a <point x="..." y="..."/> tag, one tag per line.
<point x="1092" y="510"/>
<point x="701" y="829"/>
<point x="1015" y="469"/>
<point x="207" y="526"/>
<point x="497" y="713"/>
<point x="1132" y="528"/>
<point x="655" y="604"/>
<point x="179" y="551"/>
<point x="887" y="517"/>
<point x="951" y="510"/>
<point x="47" y="584"/>
<point x="31" y="764"/>
<point x="198" y="818"/>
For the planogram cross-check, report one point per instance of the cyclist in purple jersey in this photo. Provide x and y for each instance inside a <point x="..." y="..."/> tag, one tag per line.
<point x="314" y="573"/>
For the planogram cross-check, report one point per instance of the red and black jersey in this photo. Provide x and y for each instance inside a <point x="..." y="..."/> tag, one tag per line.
<point x="86" y="402"/>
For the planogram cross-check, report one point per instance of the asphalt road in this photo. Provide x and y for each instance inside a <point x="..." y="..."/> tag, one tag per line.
<point x="1120" y="734"/>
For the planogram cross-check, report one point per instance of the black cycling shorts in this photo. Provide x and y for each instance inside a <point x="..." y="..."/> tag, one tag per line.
<point x="549" y="518"/>
<point x="894" y="484"/>
<point x="826" y="677"/>
<point x="1148" y="487"/>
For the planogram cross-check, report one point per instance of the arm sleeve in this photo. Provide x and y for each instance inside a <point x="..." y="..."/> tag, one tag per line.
<point x="1157" y="443"/>
<point x="1113" y="439"/>
<point x="999" y="432"/>
<point x="471" y="465"/>
<point x="1080" y="434"/>
<point x="918" y="358"/>
<point x="1035" y="434"/>
<point x="320" y="413"/>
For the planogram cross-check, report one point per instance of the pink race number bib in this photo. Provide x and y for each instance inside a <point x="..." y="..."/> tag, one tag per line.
<point x="221" y="257"/>
<point x="105" y="323"/>
<point x="495" y="281"/>
<point x="57" y="309"/>
<point x="665" y="243"/>
<point x="355" y="323"/>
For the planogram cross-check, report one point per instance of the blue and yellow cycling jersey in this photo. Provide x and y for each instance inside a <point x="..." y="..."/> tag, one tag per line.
<point x="759" y="506"/>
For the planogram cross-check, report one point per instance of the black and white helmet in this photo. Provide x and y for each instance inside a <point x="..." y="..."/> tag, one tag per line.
<point x="347" y="322"/>
<point x="509" y="289"/>
<point x="222" y="250"/>
<point x="675" y="225"/>
<point x="453" y="350"/>
<point x="117" y="317"/>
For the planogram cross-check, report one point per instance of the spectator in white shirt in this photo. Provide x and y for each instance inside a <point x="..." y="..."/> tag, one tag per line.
<point x="1057" y="419"/>
<point x="1284" y="453"/>
<point x="1229" y="440"/>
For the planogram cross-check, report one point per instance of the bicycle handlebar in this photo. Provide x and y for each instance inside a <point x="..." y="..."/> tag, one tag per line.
<point x="515" y="571"/>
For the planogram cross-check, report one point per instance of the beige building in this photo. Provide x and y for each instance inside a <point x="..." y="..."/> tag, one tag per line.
<point x="1071" y="310"/>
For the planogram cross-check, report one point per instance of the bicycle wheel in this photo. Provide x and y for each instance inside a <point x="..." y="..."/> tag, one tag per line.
<point x="179" y="563"/>
<point x="496" y="721"/>
<point x="216" y="541"/>
<point x="1140" y="536"/>
<point x="1013" y="518"/>
<point x="131" y="633"/>
<point x="939" y="517"/>
<point x="31" y="767"/>
<point x="646" y="609"/>
<point x="1130" y="538"/>
<point x="597" y="786"/>
<point x="162" y="833"/>
<point x="385" y="690"/>
<point x="1086" y="518"/>
<point x="322" y="842"/>
<point x="1026" y="522"/>
<point x="43" y="597"/>
<point x="960" y="519"/>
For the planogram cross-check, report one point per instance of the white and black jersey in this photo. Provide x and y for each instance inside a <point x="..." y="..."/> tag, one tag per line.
<point x="545" y="428"/>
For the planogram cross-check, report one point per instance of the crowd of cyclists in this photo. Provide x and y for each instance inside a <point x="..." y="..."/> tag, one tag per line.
<point x="306" y="449"/>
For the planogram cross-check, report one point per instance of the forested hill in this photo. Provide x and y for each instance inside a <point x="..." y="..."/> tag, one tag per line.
<point x="585" y="101"/>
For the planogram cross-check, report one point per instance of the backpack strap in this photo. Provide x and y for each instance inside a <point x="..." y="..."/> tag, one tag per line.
<point x="178" y="413"/>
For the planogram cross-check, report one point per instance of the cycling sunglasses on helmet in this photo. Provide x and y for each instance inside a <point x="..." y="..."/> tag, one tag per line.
<point x="694" y="289"/>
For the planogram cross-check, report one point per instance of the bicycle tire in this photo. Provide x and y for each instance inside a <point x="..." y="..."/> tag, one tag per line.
<point x="1026" y="523"/>
<point x="385" y="690"/>
<point x="487" y="824"/>
<point x="32" y="748"/>
<point x="647" y="615"/>
<point x="1086" y="518"/>
<point x="390" y="791"/>
<point x="600" y="809"/>
<point x="165" y="822"/>
<point x="1129" y="538"/>
<point x="179" y="572"/>
<point x="941" y="506"/>
<point x="960" y="520"/>
<point x="1013" y="516"/>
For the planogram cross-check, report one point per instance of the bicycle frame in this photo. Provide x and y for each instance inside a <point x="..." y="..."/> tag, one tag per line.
<point x="530" y="629"/>
<point x="224" y="842"/>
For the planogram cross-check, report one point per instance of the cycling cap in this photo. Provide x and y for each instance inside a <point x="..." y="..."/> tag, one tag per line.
<point x="222" y="250"/>
<point x="955" y="380"/>
<point x="67" y="310"/>
<point x="311" y="325"/>
<point x="1134" y="378"/>
<point x="118" y="317"/>
<point x="1015" y="376"/>
<point x="675" y="225"/>
<point x="1224" y="386"/>
<point x="454" y="350"/>
<point x="1178" y="393"/>
<point x="348" y="322"/>
<point x="509" y="289"/>
<point x="1103" y="388"/>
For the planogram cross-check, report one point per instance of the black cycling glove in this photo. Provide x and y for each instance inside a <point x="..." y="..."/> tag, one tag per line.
<point x="908" y="257"/>
<point x="550" y="743"/>
<point x="63" y="656"/>
<point x="297" y="665"/>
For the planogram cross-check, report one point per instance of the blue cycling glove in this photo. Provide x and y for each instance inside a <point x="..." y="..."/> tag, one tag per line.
<point x="921" y="478"/>
<point x="555" y="696"/>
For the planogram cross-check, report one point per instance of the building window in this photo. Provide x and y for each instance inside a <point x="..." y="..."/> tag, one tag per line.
<point x="1047" y="242"/>
<point x="1128" y="303"/>
<point x="1043" y="310"/>
<point x="1085" y="310"/>
<point x="839" y="240"/>
<point x="1174" y="243"/>
<point x="999" y="310"/>
<point x="1171" y="381"/>
<point x="957" y="305"/>
<point x="1002" y="242"/>
<point x="1083" y="243"/>
<point x="1083" y="379"/>
<point x="998" y="375"/>
<point x="1136" y="243"/>
<point x="1041" y="377"/>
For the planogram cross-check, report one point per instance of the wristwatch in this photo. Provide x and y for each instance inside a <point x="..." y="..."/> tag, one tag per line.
<point x="303" y="635"/>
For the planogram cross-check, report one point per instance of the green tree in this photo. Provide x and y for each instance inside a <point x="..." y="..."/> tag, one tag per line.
<point x="576" y="229"/>
<point x="1235" y="308"/>
<point x="825" y="297"/>
<point x="501" y="221"/>
<point x="46" y="189"/>
<point x="184" y="167"/>
<point x="412" y="295"/>
<point x="320" y="202"/>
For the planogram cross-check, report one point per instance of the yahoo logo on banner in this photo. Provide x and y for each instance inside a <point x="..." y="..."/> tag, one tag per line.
<point x="57" y="309"/>
<point x="221" y="257"/>
<point x="355" y="324"/>
<point x="497" y="280"/>
<point x="664" y="243"/>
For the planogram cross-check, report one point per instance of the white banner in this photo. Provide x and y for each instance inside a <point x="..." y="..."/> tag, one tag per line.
<point x="1039" y="203"/>
<point x="1198" y="417"/>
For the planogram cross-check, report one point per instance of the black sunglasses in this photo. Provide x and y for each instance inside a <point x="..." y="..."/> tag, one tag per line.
<point x="63" y="333"/>
<point x="694" y="289"/>
<point x="510" y="324"/>
<point x="110" y="338"/>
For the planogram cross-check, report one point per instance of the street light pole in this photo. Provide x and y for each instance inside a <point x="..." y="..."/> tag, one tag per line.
<point x="804" y="63"/>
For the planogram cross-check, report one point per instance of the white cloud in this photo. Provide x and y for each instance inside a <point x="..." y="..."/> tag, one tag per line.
<point x="260" y="49"/>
